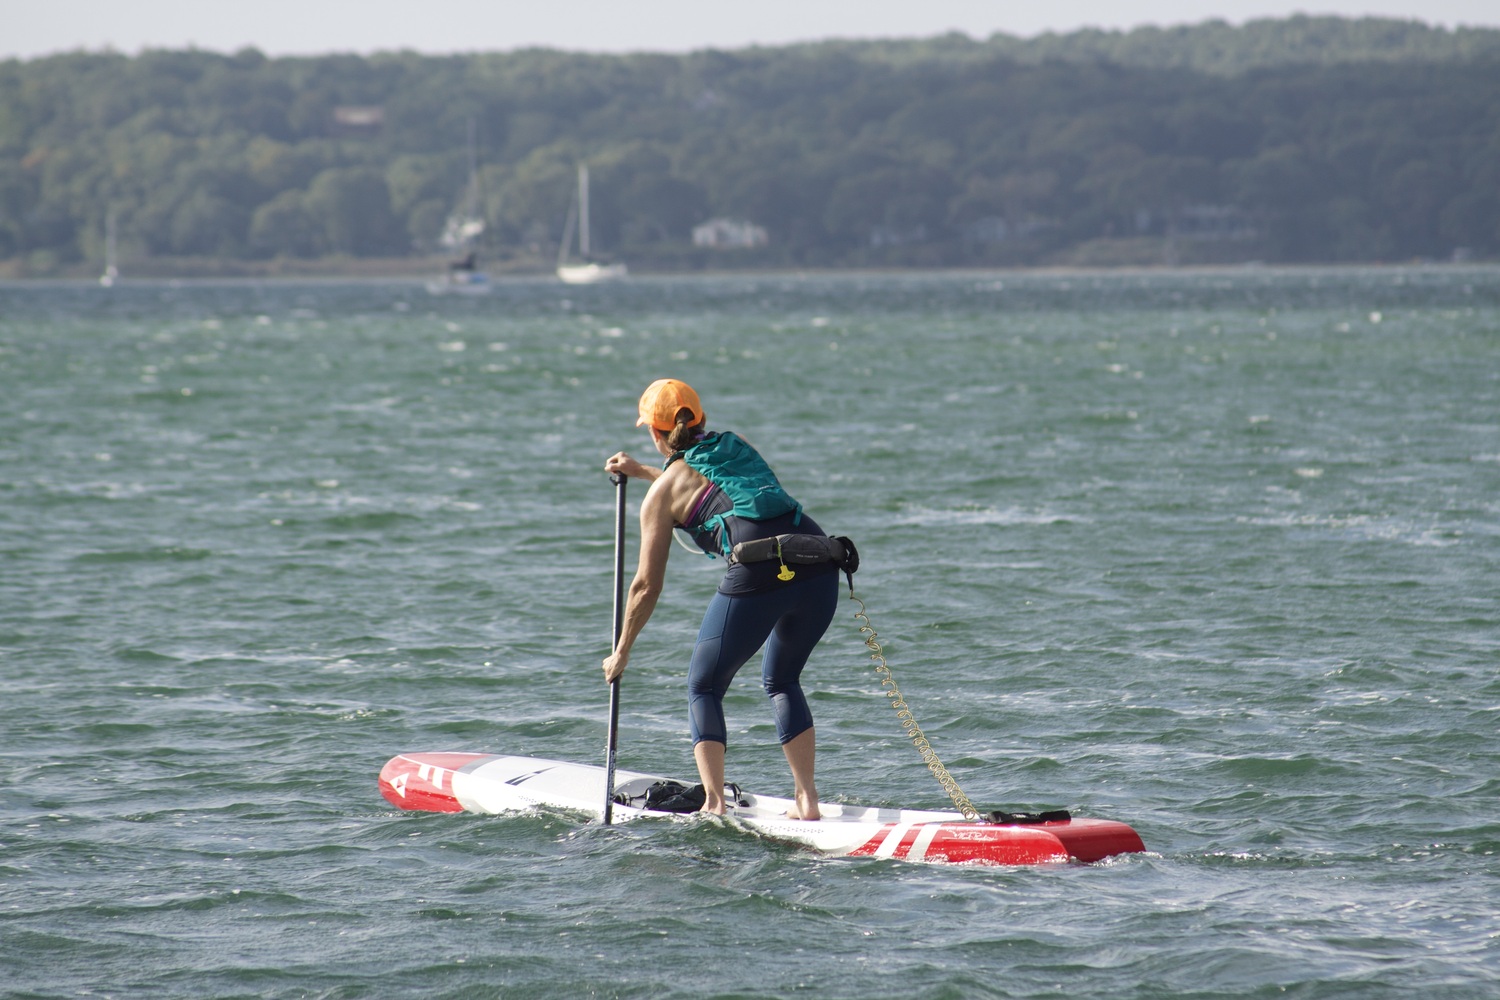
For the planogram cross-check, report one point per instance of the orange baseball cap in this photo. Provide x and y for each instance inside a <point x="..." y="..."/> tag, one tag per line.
<point x="661" y="401"/>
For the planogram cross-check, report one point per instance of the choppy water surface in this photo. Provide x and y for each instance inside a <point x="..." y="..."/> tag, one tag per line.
<point x="1211" y="553"/>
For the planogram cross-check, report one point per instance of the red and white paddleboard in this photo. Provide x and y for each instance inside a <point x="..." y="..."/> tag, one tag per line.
<point x="485" y="783"/>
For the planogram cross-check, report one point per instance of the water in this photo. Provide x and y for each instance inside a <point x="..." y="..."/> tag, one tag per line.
<point x="1211" y="553"/>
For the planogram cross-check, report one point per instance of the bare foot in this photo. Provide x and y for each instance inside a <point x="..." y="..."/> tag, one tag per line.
<point x="796" y="813"/>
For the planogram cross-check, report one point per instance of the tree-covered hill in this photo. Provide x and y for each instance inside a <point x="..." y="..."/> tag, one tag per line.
<point x="1217" y="47"/>
<point x="1306" y="139"/>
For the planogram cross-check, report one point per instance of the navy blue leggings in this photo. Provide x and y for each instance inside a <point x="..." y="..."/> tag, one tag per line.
<point x="788" y="621"/>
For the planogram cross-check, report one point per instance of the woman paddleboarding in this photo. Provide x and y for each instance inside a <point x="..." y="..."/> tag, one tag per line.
<point x="779" y="591"/>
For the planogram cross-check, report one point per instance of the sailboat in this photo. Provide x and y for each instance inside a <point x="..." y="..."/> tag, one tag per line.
<point x="585" y="271"/>
<point x="111" y="269"/>
<point x="460" y="236"/>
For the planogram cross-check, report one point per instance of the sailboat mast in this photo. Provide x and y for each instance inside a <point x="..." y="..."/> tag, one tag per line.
<point x="471" y="196"/>
<point x="583" y="210"/>
<point x="111" y="272"/>
<point x="585" y="271"/>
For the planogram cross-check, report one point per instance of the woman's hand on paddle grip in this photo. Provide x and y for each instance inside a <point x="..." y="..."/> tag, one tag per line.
<point x="621" y="462"/>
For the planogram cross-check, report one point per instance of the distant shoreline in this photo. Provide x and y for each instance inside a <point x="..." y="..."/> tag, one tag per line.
<point x="1097" y="256"/>
<point x="398" y="271"/>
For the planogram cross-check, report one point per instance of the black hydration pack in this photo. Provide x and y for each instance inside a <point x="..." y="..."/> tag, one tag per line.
<point x="675" y="797"/>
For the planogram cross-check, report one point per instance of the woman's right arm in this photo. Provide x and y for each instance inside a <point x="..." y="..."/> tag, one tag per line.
<point x="651" y="571"/>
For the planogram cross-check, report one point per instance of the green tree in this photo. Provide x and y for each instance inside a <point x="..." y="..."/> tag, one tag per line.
<point x="283" y="227"/>
<point x="1472" y="221"/>
<point x="352" y="207"/>
<point x="206" y="224"/>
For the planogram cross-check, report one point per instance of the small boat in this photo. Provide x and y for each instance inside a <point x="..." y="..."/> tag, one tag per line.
<point x="461" y="234"/>
<point x="591" y="273"/>
<point x="585" y="271"/>
<point x="490" y="784"/>
<point x="463" y="278"/>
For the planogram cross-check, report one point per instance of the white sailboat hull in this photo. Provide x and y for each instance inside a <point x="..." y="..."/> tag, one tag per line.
<point x="590" y="274"/>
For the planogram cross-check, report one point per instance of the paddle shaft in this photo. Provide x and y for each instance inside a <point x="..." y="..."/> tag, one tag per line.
<point x="619" y="624"/>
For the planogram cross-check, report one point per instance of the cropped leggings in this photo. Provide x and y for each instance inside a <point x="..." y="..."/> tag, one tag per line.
<point x="788" y="621"/>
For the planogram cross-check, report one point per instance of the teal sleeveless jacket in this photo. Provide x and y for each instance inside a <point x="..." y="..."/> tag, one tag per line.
<point x="730" y="463"/>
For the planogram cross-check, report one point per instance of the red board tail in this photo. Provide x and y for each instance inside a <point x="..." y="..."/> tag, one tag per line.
<point x="425" y="785"/>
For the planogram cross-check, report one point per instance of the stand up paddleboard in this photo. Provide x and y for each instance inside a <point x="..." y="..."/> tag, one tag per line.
<point x="486" y="783"/>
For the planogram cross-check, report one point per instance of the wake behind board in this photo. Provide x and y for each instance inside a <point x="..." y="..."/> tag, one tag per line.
<point x="487" y="783"/>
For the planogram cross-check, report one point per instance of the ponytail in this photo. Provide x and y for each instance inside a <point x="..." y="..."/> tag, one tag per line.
<point x="685" y="435"/>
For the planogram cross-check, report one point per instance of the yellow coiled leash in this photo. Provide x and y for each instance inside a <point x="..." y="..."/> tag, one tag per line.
<point x="908" y="722"/>
<point x="841" y="551"/>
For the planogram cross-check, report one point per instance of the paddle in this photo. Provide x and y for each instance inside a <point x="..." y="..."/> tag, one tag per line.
<point x="619" y="623"/>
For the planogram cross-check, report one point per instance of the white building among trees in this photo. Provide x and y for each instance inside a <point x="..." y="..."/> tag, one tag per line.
<point x="727" y="234"/>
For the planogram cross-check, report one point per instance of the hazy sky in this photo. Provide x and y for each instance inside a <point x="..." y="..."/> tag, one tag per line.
<point x="280" y="27"/>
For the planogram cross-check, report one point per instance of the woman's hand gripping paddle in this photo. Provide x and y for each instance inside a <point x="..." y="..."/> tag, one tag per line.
<point x="619" y="622"/>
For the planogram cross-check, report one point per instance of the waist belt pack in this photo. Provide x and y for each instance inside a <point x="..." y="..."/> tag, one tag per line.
<point x="801" y="550"/>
